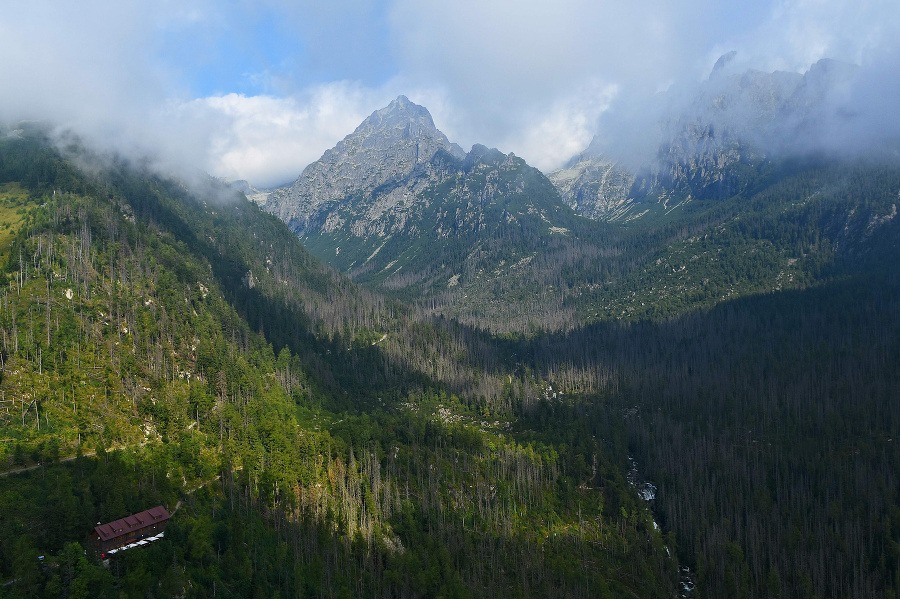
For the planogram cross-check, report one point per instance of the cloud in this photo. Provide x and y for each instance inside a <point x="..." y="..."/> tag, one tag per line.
<point x="267" y="140"/>
<point x="75" y="61"/>
<point x="533" y="77"/>
<point x="508" y="51"/>
<point x="860" y="114"/>
<point x="565" y="128"/>
<point x="798" y="33"/>
<point x="256" y="90"/>
<point x="853" y="116"/>
<point x="93" y="68"/>
<point x="511" y="68"/>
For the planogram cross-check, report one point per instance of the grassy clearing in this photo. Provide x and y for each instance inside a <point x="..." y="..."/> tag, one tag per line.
<point x="14" y="205"/>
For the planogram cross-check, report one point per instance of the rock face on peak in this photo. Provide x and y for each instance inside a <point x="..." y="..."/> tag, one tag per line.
<point x="737" y="125"/>
<point x="714" y="142"/>
<point x="397" y="205"/>
<point x="383" y="150"/>
<point x="595" y="187"/>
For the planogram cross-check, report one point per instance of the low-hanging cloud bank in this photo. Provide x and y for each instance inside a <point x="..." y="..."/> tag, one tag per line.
<point x="834" y="109"/>
<point x="535" y="78"/>
<point x="264" y="138"/>
<point x="777" y="88"/>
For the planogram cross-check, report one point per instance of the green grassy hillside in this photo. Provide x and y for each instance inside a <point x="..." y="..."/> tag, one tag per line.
<point x="162" y="344"/>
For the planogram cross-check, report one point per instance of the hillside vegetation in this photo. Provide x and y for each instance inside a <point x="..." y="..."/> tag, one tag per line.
<point x="319" y="440"/>
<point x="185" y="350"/>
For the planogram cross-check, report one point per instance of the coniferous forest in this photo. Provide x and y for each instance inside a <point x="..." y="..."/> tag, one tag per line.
<point x="170" y="343"/>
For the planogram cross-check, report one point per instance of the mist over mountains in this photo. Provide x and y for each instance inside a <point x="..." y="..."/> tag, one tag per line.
<point x="690" y="140"/>
<point x="714" y="139"/>
<point x="732" y="121"/>
<point x="399" y="207"/>
<point x="667" y="369"/>
<point x="405" y="299"/>
<point x="142" y="81"/>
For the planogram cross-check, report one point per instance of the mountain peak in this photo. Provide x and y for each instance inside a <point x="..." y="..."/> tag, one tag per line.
<point x="399" y="113"/>
<point x="401" y="126"/>
<point x="720" y="65"/>
<point x="386" y="147"/>
<point x="400" y="101"/>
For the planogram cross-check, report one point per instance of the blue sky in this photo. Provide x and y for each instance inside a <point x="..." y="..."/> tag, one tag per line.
<point x="258" y="89"/>
<point x="267" y="48"/>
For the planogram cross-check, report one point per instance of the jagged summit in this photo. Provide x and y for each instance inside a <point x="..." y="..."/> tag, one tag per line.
<point x="396" y="203"/>
<point x="402" y="119"/>
<point x="386" y="147"/>
<point x="401" y="109"/>
<point x="721" y="63"/>
<point x="710" y="141"/>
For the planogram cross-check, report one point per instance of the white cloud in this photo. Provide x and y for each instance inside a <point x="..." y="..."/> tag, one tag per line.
<point x="526" y="76"/>
<point x="268" y="140"/>
<point x="97" y="68"/>
<point x="532" y="77"/>
<point x="509" y="67"/>
<point x="565" y="128"/>
<point x="76" y="61"/>
<point x="797" y="33"/>
<point x="93" y="68"/>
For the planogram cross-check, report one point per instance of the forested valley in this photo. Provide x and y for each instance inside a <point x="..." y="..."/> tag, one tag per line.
<point x="185" y="350"/>
<point x="172" y="344"/>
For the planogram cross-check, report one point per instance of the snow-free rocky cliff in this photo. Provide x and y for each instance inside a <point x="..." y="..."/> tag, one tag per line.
<point x="595" y="187"/>
<point x="713" y="142"/>
<point x="397" y="202"/>
<point x="383" y="151"/>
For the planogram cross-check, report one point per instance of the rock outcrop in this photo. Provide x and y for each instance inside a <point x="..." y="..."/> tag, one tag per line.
<point x="383" y="151"/>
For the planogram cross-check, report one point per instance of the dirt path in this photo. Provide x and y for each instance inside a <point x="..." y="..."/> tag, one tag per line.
<point x="86" y="454"/>
<point x="42" y="464"/>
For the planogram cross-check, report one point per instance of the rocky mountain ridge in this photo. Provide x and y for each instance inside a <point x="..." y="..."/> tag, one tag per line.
<point x="384" y="150"/>
<point x="712" y="142"/>
<point x="397" y="203"/>
<point x="595" y="187"/>
<point x="485" y="238"/>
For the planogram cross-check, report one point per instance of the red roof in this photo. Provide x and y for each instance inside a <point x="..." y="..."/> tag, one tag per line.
<point x="123" y="526"/>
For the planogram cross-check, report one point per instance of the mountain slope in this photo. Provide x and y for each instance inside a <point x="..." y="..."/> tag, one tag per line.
<point x="188" y="339"/>
<point x="325" y="442"/>
<point x="811" y="225"/>
<point x="396" y="206"/>
<point x="595" y="188"/>
<point x="716" y="141"/>
<point x="383" y="151"/>
<point x="488" y="240"/>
